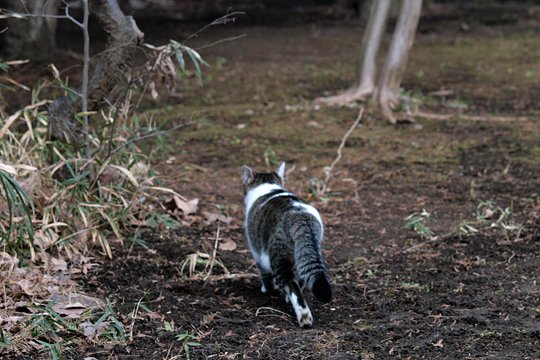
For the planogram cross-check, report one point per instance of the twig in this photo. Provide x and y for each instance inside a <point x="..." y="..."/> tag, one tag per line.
<point x="147" y="135"/>
<point x="280" y="314"/>
<point x="12" y="14"/>
<point x="231" y="38"/>
<point x="83" y="25"/>
<point x="219" y="21"/>
<point x="215" y="278"/>
<point x="329" y="169"/>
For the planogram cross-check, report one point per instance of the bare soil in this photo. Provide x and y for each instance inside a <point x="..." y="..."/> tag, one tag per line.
<point x="397" y="295"/>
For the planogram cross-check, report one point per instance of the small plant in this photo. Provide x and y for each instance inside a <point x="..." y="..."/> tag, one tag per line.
<point x="416" y="286"/>
<point x="491" y="217"/>
<point x="485" y="211"/>
<point x="4" y="339"/>
<point x="418" y="222"/>
<point x="18" y="206"/>
<point x="467" y="228"/>
<point x="168" y="325"/>
<point x="270" y="157"/>
<point x="187" y="341"/>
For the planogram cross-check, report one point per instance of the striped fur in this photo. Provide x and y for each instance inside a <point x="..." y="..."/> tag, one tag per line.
<point x="284" y="235"/>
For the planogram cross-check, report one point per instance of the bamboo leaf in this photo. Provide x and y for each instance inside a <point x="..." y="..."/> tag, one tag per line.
<point x="128" y="174"/>
<point x="180" y="59"/>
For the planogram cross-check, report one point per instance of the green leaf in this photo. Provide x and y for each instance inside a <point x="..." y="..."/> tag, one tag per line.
<point x="180" y="59"/>
<point x="196" y="60"/>
<point x="168" y="326"/>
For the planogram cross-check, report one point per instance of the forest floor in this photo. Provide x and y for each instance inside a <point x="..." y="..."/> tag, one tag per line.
<point x="464" y="283"/>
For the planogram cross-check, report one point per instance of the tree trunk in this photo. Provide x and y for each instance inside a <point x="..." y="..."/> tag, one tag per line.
<point x="371" y="43"/>
<point x="365" y="6"/>
<point x="396" y="59"/>
<point x="108" y="74"/>
<point x="31" y="37"/>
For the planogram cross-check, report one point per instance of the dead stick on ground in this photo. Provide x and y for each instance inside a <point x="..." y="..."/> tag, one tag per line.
<point x="328" y="170"/>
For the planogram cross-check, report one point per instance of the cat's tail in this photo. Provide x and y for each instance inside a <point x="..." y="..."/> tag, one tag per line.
<point x="310" y="265"/>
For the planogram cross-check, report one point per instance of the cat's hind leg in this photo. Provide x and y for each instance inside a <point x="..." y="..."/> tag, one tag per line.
<point x="267" y="280"/>
<point x="285" y="280"/>
<point x="301" y="308"/>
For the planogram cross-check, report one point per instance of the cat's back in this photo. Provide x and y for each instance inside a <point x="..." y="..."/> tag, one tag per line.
<point x="271" y="206"/>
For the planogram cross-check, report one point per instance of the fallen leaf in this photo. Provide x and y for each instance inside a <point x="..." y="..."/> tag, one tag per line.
<point x="187" y="207"/>
<point x="228" y="245"/>
<point x="7" y="261"/>
<point x="154" y="315"/>
<point x="93" y="331"/>
<point x="213" y="217"/>
<point x="75" y="299"/>
<point x="488" y="213"/>
<point x="33" y="284"/>
<point x="71" y="311"/>
<point x="58" y="264"/>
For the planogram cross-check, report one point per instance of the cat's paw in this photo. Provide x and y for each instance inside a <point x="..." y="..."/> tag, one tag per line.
<point x="303" y="314"/>
<point x="304" y="317"/>
<point x="264" y="290"/>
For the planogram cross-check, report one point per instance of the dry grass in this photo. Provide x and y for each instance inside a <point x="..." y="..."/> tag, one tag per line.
<point x="59" y="207"/>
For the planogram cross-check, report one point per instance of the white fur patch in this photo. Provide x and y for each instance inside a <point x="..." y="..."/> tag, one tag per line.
<point x="303" y="314"/>
<point x="256" y="193"/>
<point x="310" y="209"/>
<point x="264" y="261"/>
<point x="281" y="171"/>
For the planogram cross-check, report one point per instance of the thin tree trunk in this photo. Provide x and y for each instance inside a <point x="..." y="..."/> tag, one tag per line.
<point x="86" y="70"/>
<point x="396" y="59"/>
<point x="371" y="43"/>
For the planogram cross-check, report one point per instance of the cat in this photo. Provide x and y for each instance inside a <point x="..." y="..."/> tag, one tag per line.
<point x="284" y="235"/>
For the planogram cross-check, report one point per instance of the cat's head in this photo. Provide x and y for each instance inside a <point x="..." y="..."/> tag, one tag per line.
<point x="251" y="179"/>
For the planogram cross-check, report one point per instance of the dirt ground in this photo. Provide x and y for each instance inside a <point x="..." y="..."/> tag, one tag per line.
<point x="452" y="295"/>
<point x="449" y="295"/>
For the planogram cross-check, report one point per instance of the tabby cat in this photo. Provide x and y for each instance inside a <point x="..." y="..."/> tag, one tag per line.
<point x="284" y="235"/>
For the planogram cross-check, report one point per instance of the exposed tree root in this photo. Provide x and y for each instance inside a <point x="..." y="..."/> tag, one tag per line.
<point x="494" y="118"/>
<point x="347" y="98"/>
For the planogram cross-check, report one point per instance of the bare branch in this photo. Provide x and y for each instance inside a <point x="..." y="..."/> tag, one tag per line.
<point x="231" y="38"/>
<point x="75" y="21"/>
<point x="148" y="135"/>
<point x="328" y="170"/>
<point x="225" y="19"/>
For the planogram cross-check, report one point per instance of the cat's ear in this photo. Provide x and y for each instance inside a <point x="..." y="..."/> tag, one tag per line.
<point x="247" y="174"/>
<point x="281" y="171"/>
